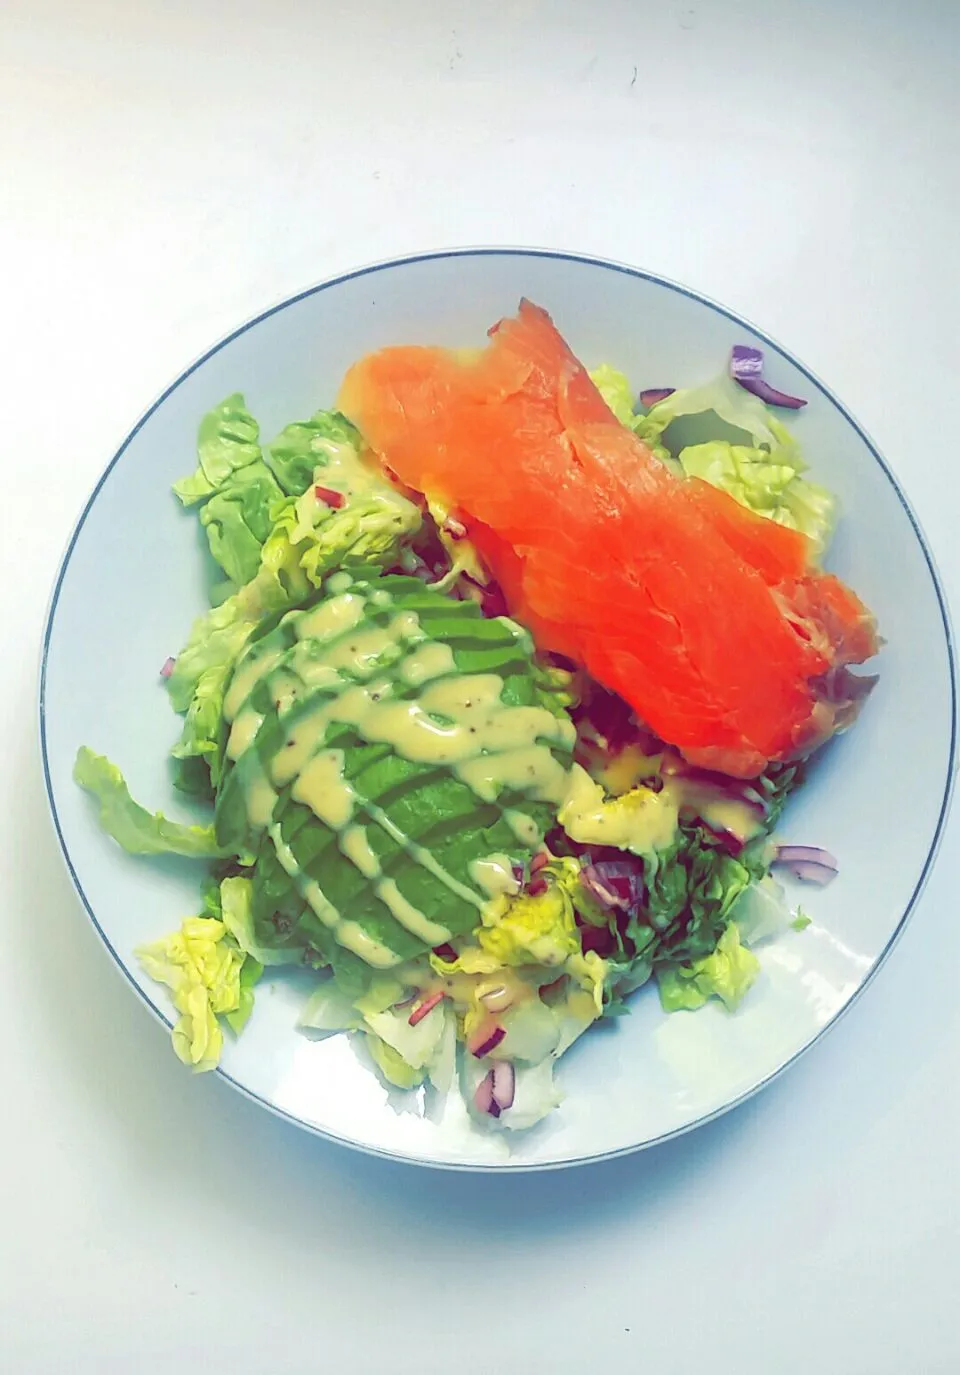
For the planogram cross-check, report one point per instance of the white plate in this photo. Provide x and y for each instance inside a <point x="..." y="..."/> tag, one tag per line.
<point x="134" y="576"/>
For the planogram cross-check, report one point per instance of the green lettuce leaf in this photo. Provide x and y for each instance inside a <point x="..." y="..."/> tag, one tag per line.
<point x="767" y="484"/>
<point x="301" y="448"/>
<point x="761" y="912"/>
<point x="250" y="972"/>
<point x="615" y="389"/>
<point x="531" y="929"/>
<point x="201" y="740"/>
<point x="764" y="475"/>
<point x="204" y="971"/>
<point x="727" y="974"/>
<point x="237" y="520"/>
<point x="392" y="1065"/>
<point x="328" y="1010"/>
<point x="203" y="668"/>
<point x="535" y="1093"/>
<point x="367" y="530"/>
<point x="236" y="907"/>
<point x="138" y="831"/>
<point x="227" y="441"/>
<point x="418" y="1045"/>
<point x="690" y="891"/>
<point x="739" y="409"/>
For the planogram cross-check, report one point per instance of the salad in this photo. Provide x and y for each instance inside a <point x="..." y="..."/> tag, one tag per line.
<point x="501" y="695"/>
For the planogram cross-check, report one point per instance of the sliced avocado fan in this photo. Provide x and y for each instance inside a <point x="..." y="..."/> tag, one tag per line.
<point x="392" y="755"/>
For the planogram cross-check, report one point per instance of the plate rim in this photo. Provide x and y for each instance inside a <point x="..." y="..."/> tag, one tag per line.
<point x="609" y="264"/>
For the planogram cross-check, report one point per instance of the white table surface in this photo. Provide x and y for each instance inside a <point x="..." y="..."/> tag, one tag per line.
<point x="171" y="168"/>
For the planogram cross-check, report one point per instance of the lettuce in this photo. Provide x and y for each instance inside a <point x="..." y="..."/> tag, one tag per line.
<point x="615" y="389"/>
<point x="535" y="1093"/>
<point x="227" y="442"/>
<point x="727" y="974"/>
<point x="761" y="911"/>
<point x="276" y="541"/>
<point x="392" y="1065"/>
<point x="418" y="1044"/>
<point x="690" y="891"/>
<point x="237" y="520"/>
<point x="237" y="1017"/>
<point x="728" y="401"/>
<point x="531" y="929"/>
<point x="367" y="530"/>
<point x="236" y="910"/>
<point x="767" y="484"/>
<point x="204" y="971"/>
<point x="764" y="475"/>
<point x="138" y="831"/>
<point x="328" y="1010"/>
<point x="301" y="448"/>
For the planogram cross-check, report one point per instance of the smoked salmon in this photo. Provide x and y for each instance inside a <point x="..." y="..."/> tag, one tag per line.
<point x="712" y="622"/>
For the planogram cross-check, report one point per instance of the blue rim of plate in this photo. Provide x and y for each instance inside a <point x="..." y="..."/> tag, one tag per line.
<point x="520" y="1167"/>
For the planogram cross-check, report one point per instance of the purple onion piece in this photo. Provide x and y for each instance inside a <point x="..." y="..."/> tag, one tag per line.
<point x="490" y="1042"/>
<point x="504" y="1084"/>
<point x="483" y="1095"/>
<point x="788" y="854"/>
<point x="168" y="666"/>
<point x="606" y="896"/>
<point x="746" y="367"/>
<point x="745" y="362"/>
<point x="769" y="394"/>
<point x="621" y="877"/>
<point x="654" y="395"/>
<point x="808" y="871"/>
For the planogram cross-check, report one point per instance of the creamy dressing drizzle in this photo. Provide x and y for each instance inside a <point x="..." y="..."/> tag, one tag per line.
<point x="457" y="719"/>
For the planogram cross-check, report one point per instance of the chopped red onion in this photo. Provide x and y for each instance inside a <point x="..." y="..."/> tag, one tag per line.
<point x="428" y="1004"/>
<point x="536" y="886"/>
<point x="788" y="853"/>
<point x="746" y="367"/>
<point x="598" y="939"/>
<point x="487" y="1038"/>
<point x="497" y="999"/>
<point x="483" y="1099"/>
<point x="168" y="666"/>
<point x="592" y="881"/>
<point x="405" y="1002"/>
<point x="539" y="860"/>
<point x="504" y="1084"/>
<point x="809" y="872"/>
<point x="489" y="598"/>
<point x="493" y="602"/>
<point x="745" y="362"/>
<point x="445" y="952"/>
<point x="622" y="877"/>
<point x="330" y="497"/>
<point x="808" y="863"/>
<point x="654" y="395"/>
